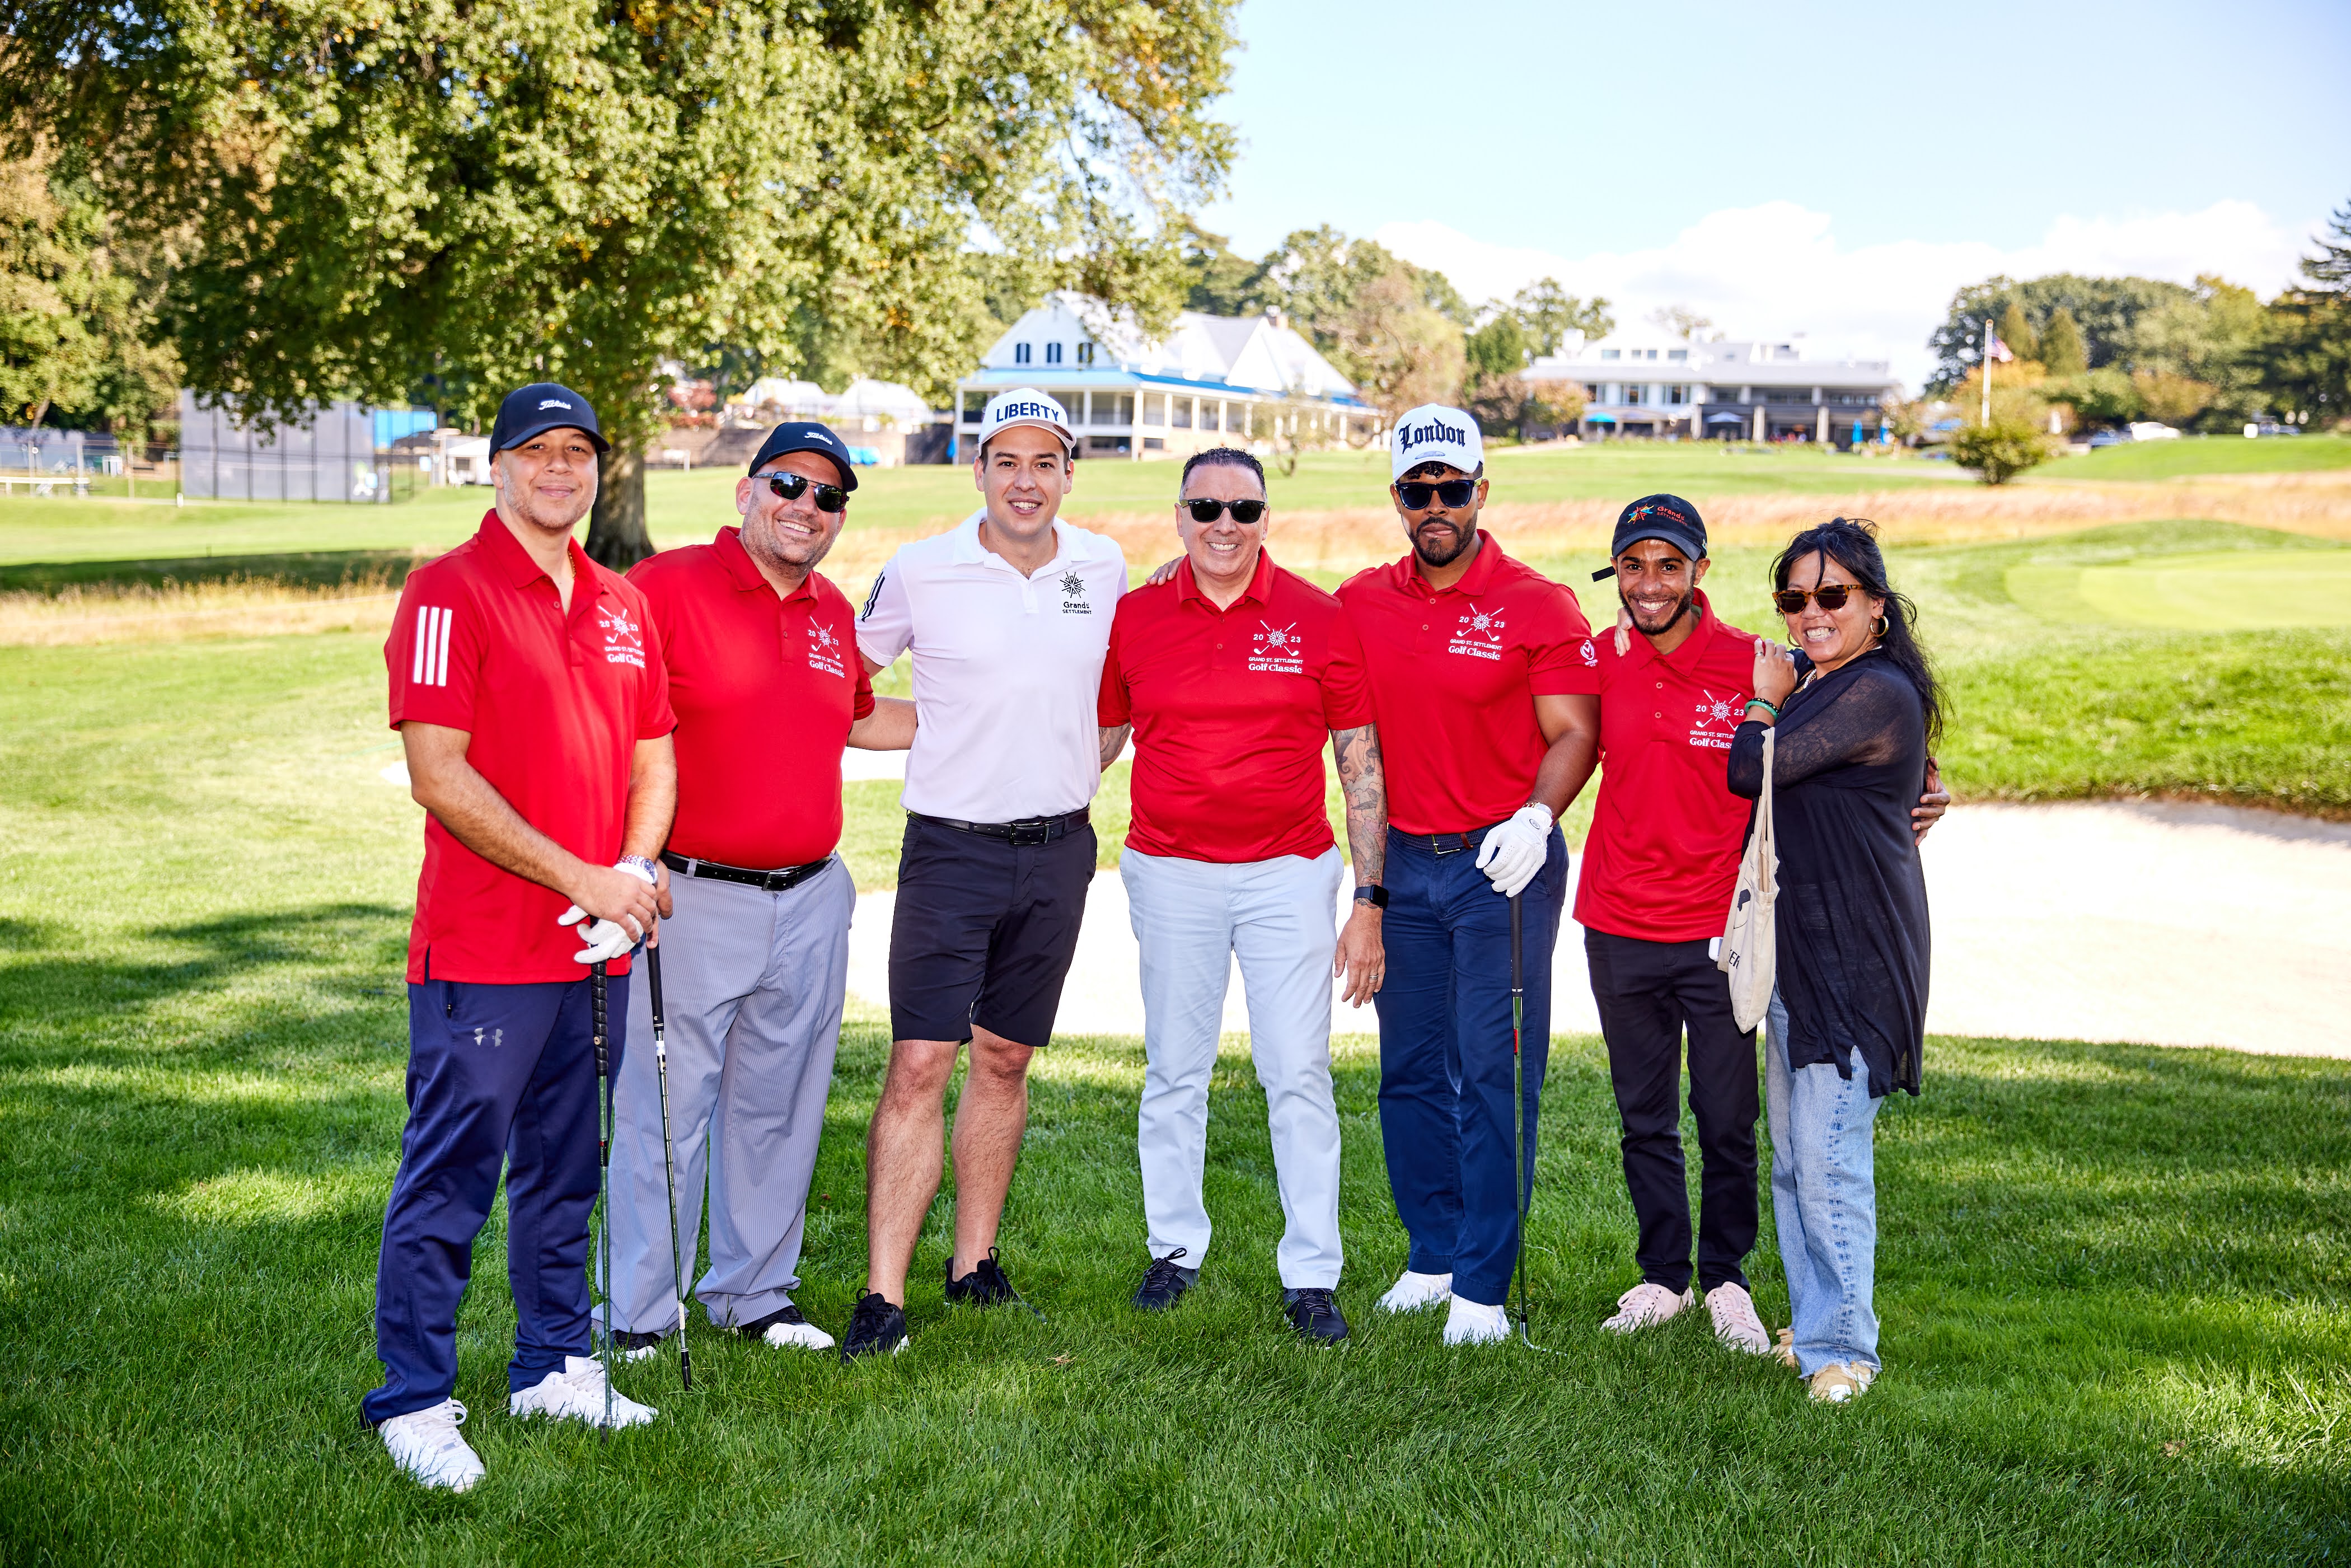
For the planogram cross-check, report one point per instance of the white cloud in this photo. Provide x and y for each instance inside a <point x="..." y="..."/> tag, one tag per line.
<point x="1778" y="268"/>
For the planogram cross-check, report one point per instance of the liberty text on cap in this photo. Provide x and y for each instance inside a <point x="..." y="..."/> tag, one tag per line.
<point x="1025" y="405"/>
<point x="1435" y="434"/>
<point x="806" y="435"/>
<point x="540" y="407"/>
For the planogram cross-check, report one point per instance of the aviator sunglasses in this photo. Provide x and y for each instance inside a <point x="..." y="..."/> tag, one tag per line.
<point x="792" y="486"/>
<point x="1206" y="511"/>
<point x="1415" y="492"/>
<point x="1830" y="596"/>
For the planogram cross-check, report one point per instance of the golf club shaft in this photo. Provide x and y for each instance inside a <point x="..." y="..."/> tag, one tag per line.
<point x="1518" y="1091"/>
<point x="604" y="1179"/>
<point x="669" y="1168"/>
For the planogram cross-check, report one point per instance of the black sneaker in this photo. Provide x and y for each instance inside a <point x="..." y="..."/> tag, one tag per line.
<point x="1163" y="1284"/>
<point x="985" y="1286"/>
<point x="1313" y="1313"/>
<point x="876" y="1328"/>
<point x="635" y="1346"/>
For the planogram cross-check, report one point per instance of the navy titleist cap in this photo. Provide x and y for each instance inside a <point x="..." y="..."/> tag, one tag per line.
<point x="806" y="435"/>
<point x="539" y="407"/>
<point x="1658" y="516"/>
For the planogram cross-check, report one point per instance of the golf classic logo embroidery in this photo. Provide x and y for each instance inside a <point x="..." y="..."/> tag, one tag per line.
<point x="428" y="651"/>
<point x="824" y="651"/>
<point x="1717" y="720"/>
<point x="1074" y="594"/>
<point x="1278" y="650"/>
<point x="623" y="638"/>
<point x="1479" y="634"/>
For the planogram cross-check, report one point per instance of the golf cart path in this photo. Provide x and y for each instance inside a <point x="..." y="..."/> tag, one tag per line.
<point x="2157" y="922"/>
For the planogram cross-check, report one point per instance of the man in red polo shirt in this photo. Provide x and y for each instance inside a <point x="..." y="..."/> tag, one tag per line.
<point x="528" y="688"/>
<point x="1484" y="679"/>
<point x="1658" y="869"/>
<point x="1230" y="674"/>
<point x="765" y="678"/>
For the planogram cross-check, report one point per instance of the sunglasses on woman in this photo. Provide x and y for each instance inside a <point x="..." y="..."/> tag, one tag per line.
<point x="1205" y="512"/>
<point x="1415" y="493"/>
<point x="792" y="486"/>
<point x="1829" y="596"/>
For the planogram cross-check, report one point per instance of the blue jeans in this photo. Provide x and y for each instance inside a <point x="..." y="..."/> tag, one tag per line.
<point x="1825" y="1200"/>
<point x="1445" y="1056"/>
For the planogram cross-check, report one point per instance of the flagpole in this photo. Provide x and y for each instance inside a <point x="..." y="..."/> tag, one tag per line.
<point x="1987" y="365"/>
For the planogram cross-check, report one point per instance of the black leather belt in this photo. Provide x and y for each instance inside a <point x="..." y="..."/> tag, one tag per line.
<point x="1026" y="833"/>
<point x="1444" y="843"/>
<point x="789" y="877"/>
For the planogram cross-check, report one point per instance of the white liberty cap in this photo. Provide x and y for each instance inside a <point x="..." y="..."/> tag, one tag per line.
<point x="1025" y="405"/>
<point x="1435" y="434"/>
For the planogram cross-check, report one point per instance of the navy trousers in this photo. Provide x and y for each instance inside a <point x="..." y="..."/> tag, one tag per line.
<point x="495" y="1075"/>
<point x="1445" y="1056"/>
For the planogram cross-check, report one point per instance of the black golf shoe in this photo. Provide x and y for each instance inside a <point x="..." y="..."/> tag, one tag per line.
<point x="787" y="1328"/>
<point x="1163" y="1284"/>
<point x="635" y="1346"/>
<point x="876" y="1328"/>
<point x="1314" y="1314"/>
<point x="985" y="1286"/>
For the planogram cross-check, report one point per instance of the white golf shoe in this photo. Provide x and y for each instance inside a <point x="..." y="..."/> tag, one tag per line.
<point x="1647" y="1305"/>
<point x="1414" y="1292"/>
<point x="1735" y="1323"/>
<point x="1469" y="1322"/>
<point x="425" y="1444"/>
<point x="577" y="1393"/>
<point x="787" y="1328"/>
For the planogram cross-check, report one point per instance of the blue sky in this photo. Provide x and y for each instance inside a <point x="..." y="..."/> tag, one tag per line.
<point x="1831" y="169"/>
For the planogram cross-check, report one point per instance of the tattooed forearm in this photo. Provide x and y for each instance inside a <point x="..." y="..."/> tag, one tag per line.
<point x="1363" y="784"/>
<point x="1112" y="739"/>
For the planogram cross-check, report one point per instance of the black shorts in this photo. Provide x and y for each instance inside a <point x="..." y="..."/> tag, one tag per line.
<point x="983" y="933"/>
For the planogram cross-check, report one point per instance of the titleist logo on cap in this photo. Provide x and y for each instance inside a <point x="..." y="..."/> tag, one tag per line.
<point x="553" y="402"/>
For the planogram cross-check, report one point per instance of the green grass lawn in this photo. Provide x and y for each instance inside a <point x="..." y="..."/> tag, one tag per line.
<point x="2194" y="454"/>
<point x="2112" y="1280"/>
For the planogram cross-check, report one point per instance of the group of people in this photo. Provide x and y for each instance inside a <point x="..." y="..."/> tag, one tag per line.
<point x="611" y="762"/>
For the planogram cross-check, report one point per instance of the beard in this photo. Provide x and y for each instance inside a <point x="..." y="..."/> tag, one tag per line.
<point x="1681" y="607"/>
<point x="1435" y="546"/>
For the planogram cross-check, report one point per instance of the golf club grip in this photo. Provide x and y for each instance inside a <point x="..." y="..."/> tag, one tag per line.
<point x="603" y="1032"/>
<point x="652" y="982"/>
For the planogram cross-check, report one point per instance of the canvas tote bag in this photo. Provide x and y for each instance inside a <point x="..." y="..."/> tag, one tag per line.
<point x="1750" y="947"/>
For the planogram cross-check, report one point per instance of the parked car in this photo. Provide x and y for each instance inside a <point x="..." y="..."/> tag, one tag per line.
<point x="2148" y="430"/>
<point x="2111" y="438"/>
<point x="2261" y="427"/>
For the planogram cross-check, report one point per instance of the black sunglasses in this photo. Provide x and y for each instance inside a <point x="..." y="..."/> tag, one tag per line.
<point x="1415" y="492"/>
<point x="1205" y="512"/>
<point x="792" y="486"/>
<point x="1830" y="596"/>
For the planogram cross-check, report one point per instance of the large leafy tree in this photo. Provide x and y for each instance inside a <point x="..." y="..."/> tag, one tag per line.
<point x="2104" y="310"/>
<point x="2306" y="362"/>
<point x="466" y="197"/>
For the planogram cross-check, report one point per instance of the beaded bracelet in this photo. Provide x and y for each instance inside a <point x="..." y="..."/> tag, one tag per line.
<point x="1767" y="707"/>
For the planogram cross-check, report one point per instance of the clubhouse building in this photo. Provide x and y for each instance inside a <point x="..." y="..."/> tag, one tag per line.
<point x="1656" y="384"/>
<point x="1213" y="380"/>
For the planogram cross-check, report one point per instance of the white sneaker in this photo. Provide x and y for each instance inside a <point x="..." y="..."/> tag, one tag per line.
<point x="1735" y="1323"/>
<point x="577" y="1393"/>
<point x="797" y="1333"/>
<point x="1411" y="1293"/>
<point x="1471" y="1322"/>
<point x="1646" y="1306"/>
<point x="425" y="1444"/>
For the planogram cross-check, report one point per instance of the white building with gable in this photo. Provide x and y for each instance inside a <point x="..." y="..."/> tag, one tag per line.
<point x="1654" y="383"/>
<point x="1213" y="380"/>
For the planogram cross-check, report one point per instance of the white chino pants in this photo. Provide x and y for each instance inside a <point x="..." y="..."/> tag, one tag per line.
<point x="1192" y="918"/>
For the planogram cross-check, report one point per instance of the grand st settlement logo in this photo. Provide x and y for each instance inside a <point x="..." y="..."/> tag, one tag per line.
<point x="1479" y="634"/>
<point x="1276" y="650"/>
<point x="1074" y="594"/>
<point x="1716" y="720"/>
<point x="623" y="638"/>
<point x="824" y="651"/>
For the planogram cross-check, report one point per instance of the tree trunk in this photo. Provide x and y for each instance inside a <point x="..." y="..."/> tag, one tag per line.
<point x="616" y="530"/>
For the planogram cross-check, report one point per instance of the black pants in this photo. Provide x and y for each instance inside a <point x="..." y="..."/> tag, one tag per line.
<point x="1648" y="992"/>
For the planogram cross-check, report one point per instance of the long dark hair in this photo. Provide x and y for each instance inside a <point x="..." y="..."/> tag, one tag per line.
<point x="1852" y="543"/>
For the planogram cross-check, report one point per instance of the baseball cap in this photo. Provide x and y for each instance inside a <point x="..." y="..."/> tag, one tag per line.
<point x="806" y="435"/>
<point x="543" y="406"/>
<point x="1024" y="405"/>
<point x="1658" y="516"/>
<point x="1435" y="434"/>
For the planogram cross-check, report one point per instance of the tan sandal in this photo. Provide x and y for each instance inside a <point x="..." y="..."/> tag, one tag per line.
<point x="1843" y="1380"/>
<point x="1786" y="1353"/>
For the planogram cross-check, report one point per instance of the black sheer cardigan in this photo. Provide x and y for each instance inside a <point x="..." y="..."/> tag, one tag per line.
<point x="1848" y="764"/>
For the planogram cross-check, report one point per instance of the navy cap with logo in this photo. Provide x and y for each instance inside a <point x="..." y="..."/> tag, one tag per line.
<point x="540" y="407"/>
<point x="1658" y="516"/>
<point x="806" y="435"/>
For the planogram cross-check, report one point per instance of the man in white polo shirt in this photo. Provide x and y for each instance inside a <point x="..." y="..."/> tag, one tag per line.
<point x="1008" y="618"/>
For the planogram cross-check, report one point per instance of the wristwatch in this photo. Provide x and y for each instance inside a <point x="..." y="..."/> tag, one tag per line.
<point x="641" y="865"/>
<point x="1372" y="893"/>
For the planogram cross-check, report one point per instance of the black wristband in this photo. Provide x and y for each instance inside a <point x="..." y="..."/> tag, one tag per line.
<point x="1372" y="893"/>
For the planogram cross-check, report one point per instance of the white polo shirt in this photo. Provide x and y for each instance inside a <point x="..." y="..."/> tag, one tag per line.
<point x="1007" y="669"/>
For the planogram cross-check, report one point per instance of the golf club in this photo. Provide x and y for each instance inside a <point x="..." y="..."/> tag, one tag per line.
<point x="604" y="1182"/>
<point x="669" y="1168"/>
<point x="1518" y="1100"/>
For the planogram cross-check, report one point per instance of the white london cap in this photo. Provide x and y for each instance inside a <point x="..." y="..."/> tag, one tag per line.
<point x="1024" y="405"/>
<point x="1435" y="434"/>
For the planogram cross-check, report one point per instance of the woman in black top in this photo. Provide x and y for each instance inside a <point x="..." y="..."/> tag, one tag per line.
<point x="1853" y="709"/>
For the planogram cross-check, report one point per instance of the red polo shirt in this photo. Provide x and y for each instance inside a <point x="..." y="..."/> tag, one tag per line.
<point x="554" y="705"/>
<point x="1231" y="709"/>
<point x="1454" y="678"/>
<point x="766" y="688"/>
<point x="1666" y="831"/>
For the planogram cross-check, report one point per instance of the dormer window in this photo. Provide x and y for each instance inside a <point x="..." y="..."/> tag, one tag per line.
<point x="1053" y="353"/>
<point x="1612" y="353"/>
<point x="1019" y="353"/>
<point x="1085" y="353"/>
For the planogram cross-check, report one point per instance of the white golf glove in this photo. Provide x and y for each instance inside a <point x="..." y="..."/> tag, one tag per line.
<point x="606" y="939"/>
<point x="1515" y="850"/>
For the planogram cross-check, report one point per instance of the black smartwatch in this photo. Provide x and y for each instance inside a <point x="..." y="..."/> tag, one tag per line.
<point x="1373" y="894"/>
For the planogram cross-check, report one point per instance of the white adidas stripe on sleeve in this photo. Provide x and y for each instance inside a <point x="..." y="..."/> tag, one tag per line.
<point x="428" y="662"/>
